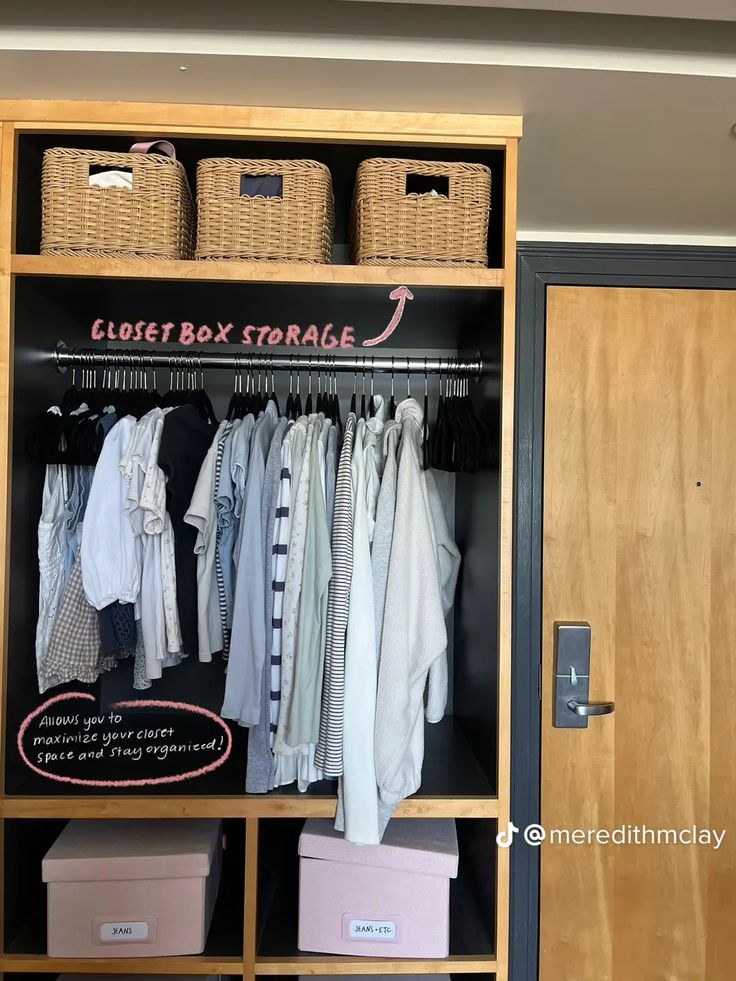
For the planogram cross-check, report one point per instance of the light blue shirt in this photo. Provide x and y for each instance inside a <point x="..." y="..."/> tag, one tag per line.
<point x="242" y="701"/>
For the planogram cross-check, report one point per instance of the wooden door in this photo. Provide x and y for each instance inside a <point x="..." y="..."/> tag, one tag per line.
<point x="640" y="542"/>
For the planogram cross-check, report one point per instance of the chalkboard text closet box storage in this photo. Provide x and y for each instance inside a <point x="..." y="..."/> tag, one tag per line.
<point x="132" y="888"/>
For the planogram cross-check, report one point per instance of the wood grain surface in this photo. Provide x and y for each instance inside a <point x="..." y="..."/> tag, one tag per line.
<point x="639" y="540"/>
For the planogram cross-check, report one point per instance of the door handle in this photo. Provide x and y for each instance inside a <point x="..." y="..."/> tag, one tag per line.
<point x="591" y="708"/>
<point x="572" y="678"/>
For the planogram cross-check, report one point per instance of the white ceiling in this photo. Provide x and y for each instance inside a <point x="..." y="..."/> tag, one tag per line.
<point x="627" y="120"/>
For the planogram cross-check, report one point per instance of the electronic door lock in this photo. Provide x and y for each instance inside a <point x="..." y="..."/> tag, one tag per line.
<point x="572" y="678"/>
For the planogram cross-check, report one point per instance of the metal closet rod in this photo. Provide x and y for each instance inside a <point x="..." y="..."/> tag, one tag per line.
<point x="66" y="357"/>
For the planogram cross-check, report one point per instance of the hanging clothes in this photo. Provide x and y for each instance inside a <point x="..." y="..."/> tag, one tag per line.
<point x="157" y="523"/>
<point x="373" y="460"/>
<point x="202" y="515"/>
<point x="279" y="559"/>
<point x="79" y="484"/>
<point x="185" y="439"/>
<point x="358" y="793"/>
<point x="232" y="493"/>
<point x="111" y="557"/>
<point x="414" y="633"/>
<point x="303" y="696"/>
<point x="304" y="717"/>
<point x="383" y="534"/>
<point x="333" y="439"/>
<point x="67" y="487"/>
<point x="241" y="461"/>
<point x="448" y="568"/>
<point x="261" y="769"/>
<point x="291" y="763"/>
<point x="329" y="748"/>
<point x="242" y="701"/>
<point x="324" y="568"/>
<point x="51" y="563"/>
<point x="118" y="630"/>
<point x="150" y="601"/>
<point x="226" y="530"/>
<point x="74" y="645"/>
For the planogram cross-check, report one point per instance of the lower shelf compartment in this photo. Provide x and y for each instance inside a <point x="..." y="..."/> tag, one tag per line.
<point x="472" y="904"/>
<point x="26" y="842"/>
<point x="472" y="913"/>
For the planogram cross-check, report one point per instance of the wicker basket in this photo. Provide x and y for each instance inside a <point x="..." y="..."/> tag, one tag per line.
<point x="393" y="227"/>
<point x="296" y="227"/>
<point x="153" y="220"/>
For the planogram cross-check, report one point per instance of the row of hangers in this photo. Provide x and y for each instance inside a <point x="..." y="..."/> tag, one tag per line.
<point x="69" y="433"/>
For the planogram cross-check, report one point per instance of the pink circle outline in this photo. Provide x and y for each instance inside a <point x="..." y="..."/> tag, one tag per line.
<point x="148" y="703"/>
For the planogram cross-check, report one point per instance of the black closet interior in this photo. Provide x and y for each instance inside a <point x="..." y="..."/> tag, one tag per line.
<point x="439" y="324"/>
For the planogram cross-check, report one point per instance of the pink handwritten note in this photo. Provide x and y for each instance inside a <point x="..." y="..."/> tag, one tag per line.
<point x="61" y="734"/>
<point x="326" y="337"/>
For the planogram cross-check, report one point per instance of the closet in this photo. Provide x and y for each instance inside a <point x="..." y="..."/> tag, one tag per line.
<point x="459" y="323"/>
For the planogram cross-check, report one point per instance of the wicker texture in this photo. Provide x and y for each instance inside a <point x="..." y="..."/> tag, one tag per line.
<point x="297" y="227"/>
<point x="391" y="227"/>
<point x="153" y="220"/>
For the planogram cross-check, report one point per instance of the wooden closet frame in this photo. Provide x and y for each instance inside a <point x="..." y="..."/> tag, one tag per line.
<point x="232" y="122"/>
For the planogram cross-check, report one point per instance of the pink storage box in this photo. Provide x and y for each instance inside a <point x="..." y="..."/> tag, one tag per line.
<point x="387" y="900"/>
<point x="132" y="888"/>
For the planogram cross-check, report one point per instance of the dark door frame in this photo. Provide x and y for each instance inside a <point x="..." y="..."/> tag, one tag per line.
<point x="541" y="265"/>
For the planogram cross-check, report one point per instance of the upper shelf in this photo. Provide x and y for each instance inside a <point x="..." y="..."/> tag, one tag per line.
<point x="250" y="122"/>
<point x="257" y="272"/>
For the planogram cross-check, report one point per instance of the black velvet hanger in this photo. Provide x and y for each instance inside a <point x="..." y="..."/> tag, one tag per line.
<point x="297" y="398"/>
<point x="353" y="397"/>
<point x="337" y="418"/>
<point x="289" y="410"/>
<point x="197" y="396"/>
<point x="272" y="396"/>
<point x="362" y="394"/>
<point x="461" y="441"/>
<point x="308" y="403"/>
<point x="236" y="405"/>
<point x="439" y="437"/>
<point x="426" y="451"/>
<point x="330" y="406"/>
<point x="392" y="400"/>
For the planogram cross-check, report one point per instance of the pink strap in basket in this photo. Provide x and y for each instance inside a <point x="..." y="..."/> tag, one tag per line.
<point x="164" y="145"/>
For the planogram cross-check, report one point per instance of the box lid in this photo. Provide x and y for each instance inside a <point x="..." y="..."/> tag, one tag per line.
<point x="426" y="845"/>
<point x="88" y="851"/>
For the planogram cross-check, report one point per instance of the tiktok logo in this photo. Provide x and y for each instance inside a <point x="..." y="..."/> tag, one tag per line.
<point x="505" y="839"/>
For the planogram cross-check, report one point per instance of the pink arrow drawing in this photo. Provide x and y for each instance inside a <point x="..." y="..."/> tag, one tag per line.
<point x="402" y="294"/>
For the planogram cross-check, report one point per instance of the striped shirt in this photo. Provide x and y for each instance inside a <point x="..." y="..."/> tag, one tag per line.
<point x="329" y="748"/>
<point x="221" y="592"/>
<point x="279" y="552"/>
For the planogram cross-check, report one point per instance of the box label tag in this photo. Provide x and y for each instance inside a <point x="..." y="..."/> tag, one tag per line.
<point x="120" y="932"/>
<point x="372" y="930"/>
